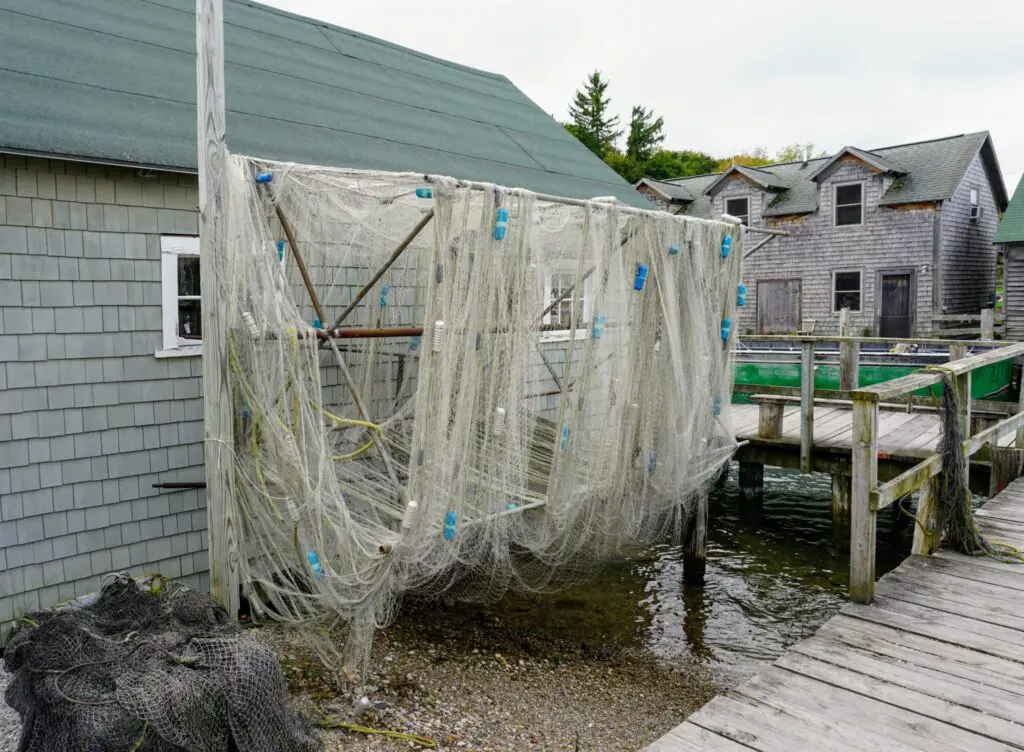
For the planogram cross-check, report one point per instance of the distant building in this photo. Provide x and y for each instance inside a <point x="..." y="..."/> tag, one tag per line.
<point x="898" y="234"/>
<point x="1010" y="237"/>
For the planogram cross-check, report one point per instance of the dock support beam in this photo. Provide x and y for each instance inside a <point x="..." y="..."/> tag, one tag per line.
<point x="218" y="432"/>
<point x="751" y="480"/>
<point x="863" y="514"/>
<point x="842" y="490"/>
<point x="695" y="546"/>
<point x="849" y="355"/>
<point x="927" y="530"/>
<point x="806" y="406"/>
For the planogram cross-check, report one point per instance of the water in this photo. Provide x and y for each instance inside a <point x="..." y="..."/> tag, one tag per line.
<point x="772" y="579"/>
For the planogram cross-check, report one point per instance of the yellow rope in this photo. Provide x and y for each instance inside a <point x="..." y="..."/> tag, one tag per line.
<point x="352" y="423"/>
<point x="422" y="741"/>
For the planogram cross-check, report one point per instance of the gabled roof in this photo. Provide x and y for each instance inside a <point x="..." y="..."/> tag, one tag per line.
<point x="933" y="170"/>
<point x="114" y="81"/>
<point x="763" y="178"/>
<point x="879" y="163"/>
<point x="668" y="191"/>
<point x="1011" y="227"/>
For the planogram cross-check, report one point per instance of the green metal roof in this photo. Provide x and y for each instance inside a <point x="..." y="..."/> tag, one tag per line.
<point x="933" y="171"/>
<point x="111" y="80"/>
<point x="1011" y="227"/>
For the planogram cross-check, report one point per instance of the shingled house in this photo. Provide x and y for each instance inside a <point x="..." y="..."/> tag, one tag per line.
<point x="100" y="388"/>
<point x="1010" y="238"/>
<point x="897" y="234"/>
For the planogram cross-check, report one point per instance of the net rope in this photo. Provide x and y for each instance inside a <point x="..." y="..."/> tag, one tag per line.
<point x="506" y="447"/>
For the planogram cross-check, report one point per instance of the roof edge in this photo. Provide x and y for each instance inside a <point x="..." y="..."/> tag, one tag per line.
<point x="879" y="163"/>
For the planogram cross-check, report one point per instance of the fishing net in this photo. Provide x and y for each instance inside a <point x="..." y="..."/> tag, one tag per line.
<point x="148" y="671"/>
<point x="553" y="382"/>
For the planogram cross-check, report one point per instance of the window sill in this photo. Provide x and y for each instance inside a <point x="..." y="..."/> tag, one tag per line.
<point x="560" y="335"/>
<point x="188" y="351"/>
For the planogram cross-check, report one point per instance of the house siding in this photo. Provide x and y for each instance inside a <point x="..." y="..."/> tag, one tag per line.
<point x="1013" y="304"/>
<point x="814" y="249"/>
<point x="968" y="275"/>
<point x="89" y="418"/>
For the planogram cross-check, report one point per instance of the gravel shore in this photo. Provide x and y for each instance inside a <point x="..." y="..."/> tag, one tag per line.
<point x="473" y="678"/>
<point x="465" y="681"/>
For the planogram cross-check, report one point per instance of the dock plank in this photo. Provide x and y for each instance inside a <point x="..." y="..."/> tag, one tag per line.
<point x="936" y="662"/>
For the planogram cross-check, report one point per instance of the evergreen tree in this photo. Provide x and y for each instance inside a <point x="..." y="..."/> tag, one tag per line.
<point x="645" y="134"/>
<point x="591" y="122"/>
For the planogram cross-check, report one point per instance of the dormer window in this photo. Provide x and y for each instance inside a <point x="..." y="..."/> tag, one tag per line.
<point x="739" y="208"/>
<point x="849" y="204"/>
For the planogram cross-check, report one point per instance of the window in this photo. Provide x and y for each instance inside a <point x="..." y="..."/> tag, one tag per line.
<point x="739" y="208"/>
<point x="846" y="291"/>
<point x="560" y="318"/>
<point x="974" y="196"/>
<point x="849" y="204"/>
<point x="182" y="315"/>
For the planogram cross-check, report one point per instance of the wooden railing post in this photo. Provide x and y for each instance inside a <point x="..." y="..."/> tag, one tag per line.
<point x="927" y="532"/>
<point x="988" y="324"/>
<point x="862" y="508"/>
<point x="1019" y="441"/>
<point x="806" y="405"/>
<point x="849" y="355"/>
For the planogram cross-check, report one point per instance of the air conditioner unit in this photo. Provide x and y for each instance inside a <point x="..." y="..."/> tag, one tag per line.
<point x="977" y="212"/>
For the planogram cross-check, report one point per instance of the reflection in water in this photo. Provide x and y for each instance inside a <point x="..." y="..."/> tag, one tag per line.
<point x="774" y="576"/>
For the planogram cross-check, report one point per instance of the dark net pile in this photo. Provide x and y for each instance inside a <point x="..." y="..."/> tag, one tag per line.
<point x="149" y="671"/>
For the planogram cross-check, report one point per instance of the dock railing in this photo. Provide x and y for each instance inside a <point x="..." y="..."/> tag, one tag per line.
<point x="868" y="496"/>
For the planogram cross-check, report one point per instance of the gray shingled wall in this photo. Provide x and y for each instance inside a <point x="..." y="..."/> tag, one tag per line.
<point x="89" y="418"/>
<point x="888" y="239"/>
<point x="968" y="277"/>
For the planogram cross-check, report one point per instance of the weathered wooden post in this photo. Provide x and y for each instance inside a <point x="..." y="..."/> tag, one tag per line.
<point x="988" y="324"/>
<point x="751" y="480"/>
<point x="842" y="489"/>
<point x="1019" y="440"/>
<point x="695" y="547"/>
<point x="212" y="153"/>
<point x="927" y="533"/>
<point x="806" y="405"/>
<point x="849" y="355"/>
<point x="863" y="514"/>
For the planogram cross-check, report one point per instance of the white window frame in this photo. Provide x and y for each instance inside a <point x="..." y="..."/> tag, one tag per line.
<point x="562" y="335"/>
<point x="745" y="217"/>
<point x="835" y="203"/>
<point x="860" y="288"/>
<point x="171" y="247"/>
<point x="974" y="196"/>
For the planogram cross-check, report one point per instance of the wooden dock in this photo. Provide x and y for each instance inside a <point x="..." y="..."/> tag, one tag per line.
<point x="908" y="434"/>
<point x="935" y="663"/>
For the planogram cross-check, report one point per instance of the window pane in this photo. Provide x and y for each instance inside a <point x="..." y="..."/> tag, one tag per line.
<point x="738" y="207"/>
<point x="848" y="215"/>
<point x="849" y="300"/>
<point x="189" y="320"/>
<point x="848" y="194"/>
<point x="846" y="281"/>
<point x="188" y="275"/>
<point x="563" y="312"/>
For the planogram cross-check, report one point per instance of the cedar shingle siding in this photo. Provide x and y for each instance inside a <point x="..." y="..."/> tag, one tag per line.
<point x="89" y="418"/>
<point x="916" y="221"/>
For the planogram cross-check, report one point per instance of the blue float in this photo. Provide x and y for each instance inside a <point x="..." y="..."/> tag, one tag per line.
<point x="641" y="277"/>
<point x="264" y="177"/>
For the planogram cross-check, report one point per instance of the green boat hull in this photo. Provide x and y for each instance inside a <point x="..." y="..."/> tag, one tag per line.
<point x="988" y="382"/>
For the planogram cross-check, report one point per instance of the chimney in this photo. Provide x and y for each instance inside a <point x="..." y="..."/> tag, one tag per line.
<point x="807" y="154"/>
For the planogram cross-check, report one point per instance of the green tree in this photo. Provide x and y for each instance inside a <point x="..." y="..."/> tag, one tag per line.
<point x="796" y="152"/>
<point x="665" y="165"/>
<point x="645" y="134"/>
<point x="591" y="122"/>
<point x="755" y="158"/>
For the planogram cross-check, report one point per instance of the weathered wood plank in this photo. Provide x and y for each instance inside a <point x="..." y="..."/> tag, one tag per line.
<point x="862" y="516"/>
<point x="691" y="738"/>
<point x="991" y="604"/>
<point x="957" y="706"/>
<point x="806" y="406"/>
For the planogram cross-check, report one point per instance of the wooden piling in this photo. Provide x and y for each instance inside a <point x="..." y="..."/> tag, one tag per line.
<point x="695" y="548"/>
<point x="927" y="530"/>
<point x="751" y="480"/>
<point x="849" y="355"/>
<point x="1005" y="468"/>
<point x="218" y="435"/>
<point x="807" y="406"/>
<point x="842" y="490"/>
<point x="988" y="324"/>
<point x="863" y="514"/>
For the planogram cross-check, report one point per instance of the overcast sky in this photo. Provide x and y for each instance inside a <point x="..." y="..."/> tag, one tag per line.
<point x="733" y="75"/>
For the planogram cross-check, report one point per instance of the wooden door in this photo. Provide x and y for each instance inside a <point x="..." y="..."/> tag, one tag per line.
<point x="778" y="306"/>
<point x="894" y="316"/>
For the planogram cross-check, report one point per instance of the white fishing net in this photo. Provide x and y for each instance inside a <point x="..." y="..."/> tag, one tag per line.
<point x="569" y="391"/>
